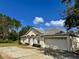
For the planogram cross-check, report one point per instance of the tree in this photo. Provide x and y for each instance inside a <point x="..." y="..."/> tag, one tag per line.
<point x="16" y="24"/>
<point x="24" y="30"/>
<point x="72" y="18"/>
<point x="72" y="14"/>
<point x="13" y="35"/>
<point x="65" y="1"/>
<point x="7" y="25"/>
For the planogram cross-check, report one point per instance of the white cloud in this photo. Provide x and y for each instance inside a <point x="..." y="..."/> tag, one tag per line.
<point x="57" y="22"/>
<point x="41" y="28"/>
<point x="38" y="20"/>
<point x="47" y="24"/>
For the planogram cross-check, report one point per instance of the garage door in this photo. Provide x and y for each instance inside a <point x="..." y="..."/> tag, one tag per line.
<point x="57" y="43"/>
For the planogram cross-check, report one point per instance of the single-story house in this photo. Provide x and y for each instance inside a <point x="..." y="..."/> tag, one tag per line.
<point x="53" y="38"/>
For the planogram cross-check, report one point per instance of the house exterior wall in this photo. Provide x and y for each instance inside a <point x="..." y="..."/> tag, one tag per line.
<point x="69" y="43"/>
<point x="32" y="39"/>
<point x="56" y="41"/>
<point x="42" y="42"/>
<point x="22" y="41"/>
<point x="26" y="40"/>
<point x="75" y="43"/>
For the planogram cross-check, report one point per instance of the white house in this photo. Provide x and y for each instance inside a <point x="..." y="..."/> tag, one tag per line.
<point x="33" y="36"/>
<point x="53" y="38"/>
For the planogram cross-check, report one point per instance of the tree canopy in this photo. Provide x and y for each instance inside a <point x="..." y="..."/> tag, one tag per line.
<point x="7" y="25"/>
<point x="24" y="30"/>
<point x="72" y="14"/>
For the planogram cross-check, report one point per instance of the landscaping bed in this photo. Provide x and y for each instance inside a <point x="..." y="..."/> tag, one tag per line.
<point x="36" y="45"/>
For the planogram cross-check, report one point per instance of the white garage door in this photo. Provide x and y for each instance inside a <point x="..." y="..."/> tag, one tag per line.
<point x="57" y="43"/>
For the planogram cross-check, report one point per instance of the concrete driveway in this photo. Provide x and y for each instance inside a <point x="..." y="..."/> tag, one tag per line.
<point x="21" y="53"/>
<point x="29" y="53"/>
<point x="61" y="54"/>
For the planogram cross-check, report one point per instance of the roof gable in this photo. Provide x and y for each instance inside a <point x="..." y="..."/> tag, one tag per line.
<point x="35" y="29"/>
<point x="38" y="30"/>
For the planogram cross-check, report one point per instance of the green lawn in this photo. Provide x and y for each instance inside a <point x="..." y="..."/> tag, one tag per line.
<point x="9" y="44"/>
<point x="12" y="44"/>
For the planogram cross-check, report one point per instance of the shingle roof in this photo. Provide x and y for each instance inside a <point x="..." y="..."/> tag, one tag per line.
<point x="52" y="31"/>
<point x="48" y="31"/>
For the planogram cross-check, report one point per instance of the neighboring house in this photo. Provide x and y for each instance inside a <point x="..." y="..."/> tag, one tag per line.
<point x="53" y="38"/>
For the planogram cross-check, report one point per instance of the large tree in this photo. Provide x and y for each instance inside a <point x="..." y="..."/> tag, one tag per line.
<point x="24" y="30"/>
<point x="7" y="25"/>
<point x="72" y="14"/>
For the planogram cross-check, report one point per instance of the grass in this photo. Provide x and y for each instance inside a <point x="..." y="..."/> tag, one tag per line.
<point x="12" y="44"/>
<point x="15" y="44"/>
<point x="9" y="44"/>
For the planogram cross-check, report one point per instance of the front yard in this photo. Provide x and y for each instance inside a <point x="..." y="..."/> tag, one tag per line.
<point x="21" y="53"/>
<point x="16" y="51"/>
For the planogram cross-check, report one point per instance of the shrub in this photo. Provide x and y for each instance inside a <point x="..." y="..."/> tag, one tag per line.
<point x="26" y="43"/>
<point x="36" y="45"/>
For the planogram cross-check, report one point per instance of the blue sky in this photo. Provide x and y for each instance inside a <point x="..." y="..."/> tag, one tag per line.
<point x="45" y="12"/>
